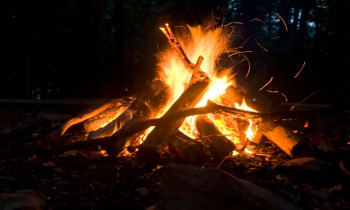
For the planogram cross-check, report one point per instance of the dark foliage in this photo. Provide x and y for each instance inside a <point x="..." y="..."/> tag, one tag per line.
<point x="85" y="49"/>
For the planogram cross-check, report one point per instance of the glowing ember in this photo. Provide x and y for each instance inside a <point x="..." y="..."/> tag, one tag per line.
<point x="248" y="151"/>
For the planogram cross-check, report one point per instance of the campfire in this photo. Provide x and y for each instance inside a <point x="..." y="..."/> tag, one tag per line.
<point x="233" y="153"/>
<point x="194" y="109"/>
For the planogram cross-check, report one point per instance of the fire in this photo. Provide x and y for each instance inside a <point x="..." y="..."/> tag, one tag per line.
<point x="208" y="43"/>
<point x="211" y="44"/>
<point x="251" y="130"/>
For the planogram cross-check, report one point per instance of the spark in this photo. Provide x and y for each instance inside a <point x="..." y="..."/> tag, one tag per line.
<point x="259" y="20"/>
<point x="285" y="97"/>
<point x="277" y="37"/>
<point x="284" y="22"/>
<point x="241" y="52"/>
<point x="248" y="71"/>
<point x="302" y="101"/>
<point x="266" y="84"/>
<point x="272" y="91"/>
<point x="276" y="91"/>
<point x="242" y="45"/>
<point x="260" y="45"/>
<point x="300" y="69"/>
<point x="322" y="6"/>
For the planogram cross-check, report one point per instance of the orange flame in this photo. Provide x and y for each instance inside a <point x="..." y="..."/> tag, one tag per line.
<point x="209" y="43"/>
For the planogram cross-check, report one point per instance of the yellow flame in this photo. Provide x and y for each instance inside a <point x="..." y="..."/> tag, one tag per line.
<point x="246" y="150"/>
<point x="209" y="43"/>
<point x="249" y="132"/>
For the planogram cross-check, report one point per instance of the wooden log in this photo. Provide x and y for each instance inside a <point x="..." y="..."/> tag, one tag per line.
<point x="161" y="136"/>
<point x="281" y="136"/>
<point x="146" y="105"/>
<point x="188" y="149"/>
<point x="93" y="113"/>
<point x="221" y="145"/>
<point x="107" y="116"/>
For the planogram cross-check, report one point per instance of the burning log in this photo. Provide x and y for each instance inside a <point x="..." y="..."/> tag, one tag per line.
<point x="105" y="117"/>
<point x="161" y="136"/>
<point x="281" y="136"/>
<point x="114" y="104"/>
<point x="234" y="96"/>
<point x="147" y="105"/>
<point x="221" y="145"/>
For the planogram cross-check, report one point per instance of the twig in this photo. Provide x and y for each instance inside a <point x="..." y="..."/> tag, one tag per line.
<point x="175" y="44"/>
<point x="305" y="99"/>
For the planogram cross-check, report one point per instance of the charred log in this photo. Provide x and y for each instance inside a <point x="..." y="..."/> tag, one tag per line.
<point x="188" y="149"/>
<point x="147" y="105"/>
<point x="221" y="145"/>
<point x="281" y="136"/>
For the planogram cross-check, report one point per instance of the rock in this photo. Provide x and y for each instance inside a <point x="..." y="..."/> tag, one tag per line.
<point x="22" y="199"/>
<point x="187" y="187"/>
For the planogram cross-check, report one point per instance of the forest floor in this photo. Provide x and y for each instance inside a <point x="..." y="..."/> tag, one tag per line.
<point x="88" y="179"/>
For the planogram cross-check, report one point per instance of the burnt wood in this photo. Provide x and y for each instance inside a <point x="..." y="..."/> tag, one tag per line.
<point x="221" y="145"/>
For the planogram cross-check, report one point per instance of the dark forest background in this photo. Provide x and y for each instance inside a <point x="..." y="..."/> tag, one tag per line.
<point x="107" y="48"/>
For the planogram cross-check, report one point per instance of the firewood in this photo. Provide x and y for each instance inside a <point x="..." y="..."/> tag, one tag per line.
<point x="281" y="136"/>
<point x="161" y="136"/>
<point x="221" y="145"/>
<point x="144" y="107"/>
<point x="188" y="149"/>
<point x="148" y="105"/>
<point x="93" y="113"/>
<point x="105" y="117"/>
